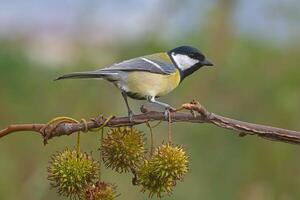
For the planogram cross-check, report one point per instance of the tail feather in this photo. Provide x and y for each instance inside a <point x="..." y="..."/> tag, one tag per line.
<point x="77" y="75"/>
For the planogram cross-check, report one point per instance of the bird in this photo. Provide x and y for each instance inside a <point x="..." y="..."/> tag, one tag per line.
<point x="149" y="77"/>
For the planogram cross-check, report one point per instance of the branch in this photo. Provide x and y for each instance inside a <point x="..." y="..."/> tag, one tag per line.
<point x="197" y="114"/>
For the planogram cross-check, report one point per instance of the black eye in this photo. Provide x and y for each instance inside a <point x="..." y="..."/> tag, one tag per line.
<point x="199" y="56"/>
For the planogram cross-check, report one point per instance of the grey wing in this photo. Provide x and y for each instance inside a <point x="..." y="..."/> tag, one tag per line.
<point x="142" y="64"/>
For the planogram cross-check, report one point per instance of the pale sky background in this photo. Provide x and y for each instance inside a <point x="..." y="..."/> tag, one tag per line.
<point x="276" y="20"/>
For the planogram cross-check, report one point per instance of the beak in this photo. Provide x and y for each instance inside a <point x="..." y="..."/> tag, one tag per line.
<point x="207" y="63"/>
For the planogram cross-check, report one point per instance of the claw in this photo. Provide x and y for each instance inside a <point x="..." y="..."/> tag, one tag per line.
<point x="167" y="112"/>
<point x="130" y="116"/>
<point x="171" y="109"/>
<point x="193" y="113"/>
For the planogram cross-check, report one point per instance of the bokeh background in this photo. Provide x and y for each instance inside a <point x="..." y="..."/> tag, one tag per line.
<point x="255" y="46"/>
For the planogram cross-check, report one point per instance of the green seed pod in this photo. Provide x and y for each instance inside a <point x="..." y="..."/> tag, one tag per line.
<point x="170" y="162"/>
<point x="70" y="172"/>
<point x="159" y="174"/>
<point x="123" y="149"/>
<point x="151" y="182"/>
<point x="100" y="191"/>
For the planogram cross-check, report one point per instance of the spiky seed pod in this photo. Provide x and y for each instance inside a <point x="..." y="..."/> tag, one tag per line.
<point x="123" y="149"/>
<point x="152" y="183"/>
<point x="70" y="172"/>
<point x="170" y="161"/>
<point x="167" y="165"/>
<point x="100" y="191"/>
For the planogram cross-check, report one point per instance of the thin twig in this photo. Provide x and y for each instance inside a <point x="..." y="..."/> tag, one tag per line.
<point x="48" y="131"/>
<point x="169" y="128"/>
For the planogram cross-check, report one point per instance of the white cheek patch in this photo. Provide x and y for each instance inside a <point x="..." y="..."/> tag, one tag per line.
<point x="183" y="61"/>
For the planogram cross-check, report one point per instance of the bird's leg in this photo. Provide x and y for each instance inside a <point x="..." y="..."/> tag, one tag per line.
<point x="130" y="113"/>
<point x="167" y="114"/>
<point x="167" y="107"/>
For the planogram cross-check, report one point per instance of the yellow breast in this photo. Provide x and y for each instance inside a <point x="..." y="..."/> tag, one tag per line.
<point x="151" y="84"/>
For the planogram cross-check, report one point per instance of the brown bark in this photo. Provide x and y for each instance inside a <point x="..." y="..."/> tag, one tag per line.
<point x="198" y="114"/>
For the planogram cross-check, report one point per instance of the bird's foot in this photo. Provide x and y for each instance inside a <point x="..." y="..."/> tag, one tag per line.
<point x="130" y="116"/>
<point x="168" y="111"/>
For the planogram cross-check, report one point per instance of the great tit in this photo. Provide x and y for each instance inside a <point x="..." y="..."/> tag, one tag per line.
<point x="151" y="76"/>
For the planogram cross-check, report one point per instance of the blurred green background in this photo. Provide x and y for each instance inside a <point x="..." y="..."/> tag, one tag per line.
<point x="253" y="44"/>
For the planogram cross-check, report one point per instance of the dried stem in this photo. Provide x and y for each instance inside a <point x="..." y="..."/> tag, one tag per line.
<point x="48" y="131"/>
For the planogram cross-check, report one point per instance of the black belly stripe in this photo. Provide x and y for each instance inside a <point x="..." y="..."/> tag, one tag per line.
<point x="136" y="95"/>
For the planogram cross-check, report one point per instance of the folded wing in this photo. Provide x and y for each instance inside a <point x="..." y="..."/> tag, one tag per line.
<point x="159" y="63"/>
<point x="155" y="63"/>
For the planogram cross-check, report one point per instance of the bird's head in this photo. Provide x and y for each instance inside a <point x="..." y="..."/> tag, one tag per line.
<point x="188" y="60"/>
